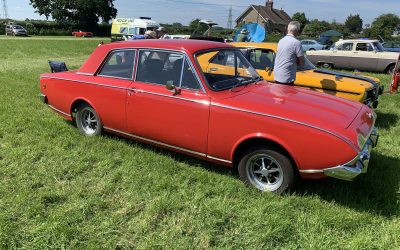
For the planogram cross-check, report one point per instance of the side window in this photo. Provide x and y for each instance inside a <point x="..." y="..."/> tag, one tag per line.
<point x="159" y="67"/>
<point x="262" y="59"/>
<point x="345" y="47"/>
<point x="119" y="64"/>
<point x="387" y="45"/>
<point x="364" y="47"/>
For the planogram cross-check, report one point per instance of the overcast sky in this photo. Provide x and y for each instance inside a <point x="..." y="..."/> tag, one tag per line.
<point x="183" y="11"/>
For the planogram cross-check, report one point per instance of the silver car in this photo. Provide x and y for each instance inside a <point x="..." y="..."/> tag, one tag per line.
<point x="365" y="55"/>
<point x="311" y="45"/>
<point x="15" y="30"/>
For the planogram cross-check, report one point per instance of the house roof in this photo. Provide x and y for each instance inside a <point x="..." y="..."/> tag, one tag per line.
<point x="274" y="15"/>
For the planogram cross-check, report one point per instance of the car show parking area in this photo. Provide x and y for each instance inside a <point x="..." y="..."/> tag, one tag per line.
<point x="58" y="188"/>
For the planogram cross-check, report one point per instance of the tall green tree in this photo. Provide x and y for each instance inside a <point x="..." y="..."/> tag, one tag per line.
<point x="301" y="18"/>
<point x="384" y="26"/>
<point x="354" y="24"/>
<point x="81" y="13"/>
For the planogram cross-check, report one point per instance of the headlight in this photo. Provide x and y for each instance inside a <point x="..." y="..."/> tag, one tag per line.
<point x="361" y="141"/>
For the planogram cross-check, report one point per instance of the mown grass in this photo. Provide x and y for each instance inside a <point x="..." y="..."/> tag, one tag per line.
<point x="59" y="189"/>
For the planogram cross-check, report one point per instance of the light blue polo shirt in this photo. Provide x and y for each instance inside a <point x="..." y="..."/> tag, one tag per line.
<point x="285" y="67"/>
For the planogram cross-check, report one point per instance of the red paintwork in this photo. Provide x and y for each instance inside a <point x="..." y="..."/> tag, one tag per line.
<point x="317" y="130"/>
<point x="396" y="78"/>
<point x="82" y="34"/>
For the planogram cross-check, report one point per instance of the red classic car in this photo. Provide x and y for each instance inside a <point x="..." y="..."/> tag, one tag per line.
<point x="164" y="92"/>
<point x="82" y="34"/>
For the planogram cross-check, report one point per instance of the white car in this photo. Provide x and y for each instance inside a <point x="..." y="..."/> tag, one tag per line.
<point x="311" y="45"/>
<point x="365" y="55"/>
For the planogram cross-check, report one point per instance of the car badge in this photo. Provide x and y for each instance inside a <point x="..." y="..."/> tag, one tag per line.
<point x="370" y="115"/>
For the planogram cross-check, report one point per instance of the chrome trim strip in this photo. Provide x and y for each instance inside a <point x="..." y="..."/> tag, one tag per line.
<point x="59" y="111"/>
<point x="155" y="142"/>
<point x="218" y="159"/>
<point x="83" y="73"/>
<point x="85" y="82"/>
<point x="288" y="120"/>
<point x="311" y="171"/>
<point x="170" y="96"/>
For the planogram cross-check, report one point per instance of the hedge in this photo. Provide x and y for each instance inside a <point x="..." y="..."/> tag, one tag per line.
<point x="52" y="28"/>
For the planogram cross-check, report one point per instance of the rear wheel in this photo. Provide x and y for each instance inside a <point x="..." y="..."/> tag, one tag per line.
<point x="88" y="121"/>
<point x="267" y="170"/>
<point x="326" y="65"/>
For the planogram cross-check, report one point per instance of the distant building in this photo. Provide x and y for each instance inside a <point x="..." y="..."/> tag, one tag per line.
<point x="273" y="20"/>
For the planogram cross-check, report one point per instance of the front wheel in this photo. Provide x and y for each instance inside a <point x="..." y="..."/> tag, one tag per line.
<point x="267" y="170"/>
<point x="390" y="70"/>
<point x="88" y="121"/>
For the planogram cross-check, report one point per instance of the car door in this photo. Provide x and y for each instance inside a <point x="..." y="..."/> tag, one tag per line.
<point x="177" y="118"/>
<point x="342" y="55"/>
<point x="365" y="57"/>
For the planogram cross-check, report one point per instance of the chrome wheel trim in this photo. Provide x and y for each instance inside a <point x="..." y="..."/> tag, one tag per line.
<point x="264" y="172"/>
<point x="89" y="122"/>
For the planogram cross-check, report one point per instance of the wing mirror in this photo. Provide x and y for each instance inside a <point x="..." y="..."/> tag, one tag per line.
<point x="170" y="86"/>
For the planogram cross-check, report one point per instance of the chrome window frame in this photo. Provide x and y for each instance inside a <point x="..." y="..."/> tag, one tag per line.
<point x="184" y="57"/>
<point x="110" y="53"/>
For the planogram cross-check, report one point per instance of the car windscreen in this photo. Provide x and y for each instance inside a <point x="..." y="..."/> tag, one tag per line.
<point x="226" y="69"/>
<point x="17" y="27"/>
<point x="307" y="65"/>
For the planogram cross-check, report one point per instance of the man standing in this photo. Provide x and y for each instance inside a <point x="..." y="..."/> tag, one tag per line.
<point x="162" y="33"/>
<point x="289" y="56"/>
<point x="242" y="36"/>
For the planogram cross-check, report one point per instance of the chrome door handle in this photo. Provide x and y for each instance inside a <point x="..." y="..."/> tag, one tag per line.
<point x="213" y="69"/>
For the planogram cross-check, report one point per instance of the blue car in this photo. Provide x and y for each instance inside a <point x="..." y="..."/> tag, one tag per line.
<point x="391" y="46"/>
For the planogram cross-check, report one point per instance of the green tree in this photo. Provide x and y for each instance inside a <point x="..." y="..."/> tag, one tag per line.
<point x="354" y="24"/>
<point x="316" y="27"/>
<point x="301" y="18"/>
<point x="82" y="13"/>
<point x="384" y="26"/>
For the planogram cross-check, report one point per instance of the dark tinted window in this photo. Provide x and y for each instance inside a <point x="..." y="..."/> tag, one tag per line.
<point x="364" y="47"/>
<point x="119" y="64"/>
<point x="159" y="67"/>
<point x="189" y="80"/>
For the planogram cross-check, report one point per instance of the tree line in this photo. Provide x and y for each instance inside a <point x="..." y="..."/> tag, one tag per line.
<point x="383" y="26"/>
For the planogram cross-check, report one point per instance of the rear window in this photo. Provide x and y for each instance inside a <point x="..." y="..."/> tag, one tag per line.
<point x="119" y="64"/>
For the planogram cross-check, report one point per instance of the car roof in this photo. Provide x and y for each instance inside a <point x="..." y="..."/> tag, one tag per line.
<point x="356" y="41"/>
<point x="187" y="45"/>
<point x="184" y="45"/>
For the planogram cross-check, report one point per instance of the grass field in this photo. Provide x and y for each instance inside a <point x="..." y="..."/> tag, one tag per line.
<point x="59" y="189"/>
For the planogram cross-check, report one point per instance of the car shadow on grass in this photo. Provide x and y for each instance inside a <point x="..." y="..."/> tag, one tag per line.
<point x="386" y="120"/>
<point x="375" y="192"/>
<point x="179" y="157"/>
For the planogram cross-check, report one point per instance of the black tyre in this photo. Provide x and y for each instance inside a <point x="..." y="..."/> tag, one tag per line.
<point x="326" y="65"/>
<point x="267" y="170"/>
<point x="88" y="121"/>
<point x="390" y="70"/>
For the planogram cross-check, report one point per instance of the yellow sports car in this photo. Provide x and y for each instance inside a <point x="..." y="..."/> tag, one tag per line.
<point x="355" y="87"/>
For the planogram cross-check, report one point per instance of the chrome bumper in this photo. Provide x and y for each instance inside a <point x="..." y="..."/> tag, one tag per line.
<point x="42" y="97"/>
<point x="358" y="165"/>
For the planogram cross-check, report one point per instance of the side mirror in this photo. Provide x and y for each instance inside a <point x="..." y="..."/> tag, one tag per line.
<point x="170" y="86"/>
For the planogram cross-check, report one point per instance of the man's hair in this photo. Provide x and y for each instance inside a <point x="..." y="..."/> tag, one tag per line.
<point x="294" y="27"/>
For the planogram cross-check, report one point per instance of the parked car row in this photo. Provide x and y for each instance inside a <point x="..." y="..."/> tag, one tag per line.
<point x="205" y="99"/>
<point x="365" y="55"/>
